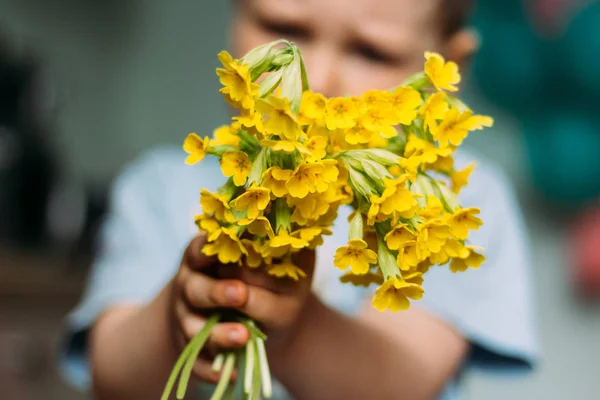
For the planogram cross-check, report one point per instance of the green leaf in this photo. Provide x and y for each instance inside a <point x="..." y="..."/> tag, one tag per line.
<point x="196" y="345"/>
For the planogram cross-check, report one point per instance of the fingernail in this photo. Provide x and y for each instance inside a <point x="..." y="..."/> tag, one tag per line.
<point x="235" y="336"/>
<point x="231" y="294"/>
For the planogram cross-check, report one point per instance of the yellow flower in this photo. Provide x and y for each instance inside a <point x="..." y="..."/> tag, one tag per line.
<point x="217" y="204"/>
<point x="443" y="75"/>
<point x="463" y="220"/>
<point x="207" y="223"/>
<point x="327" y="175"/>
<point x="434" y="208"/>
<point x="238" y="88"/>
<point x="236" y="164"/>
<point x="317" y="148"/>
<point x="253" y="258"/>
<point x="407" y="256"/>
<point x="452" y="248"/>
<point x="286" y="146"/>
<point x="303" y="179"/>
<point x="341" y="113"/>
<point x="473" y="260"/>
<point x="280" y="120"/>
<point x="358" y="134"/>
<point x="380" y="120"/>
<point x="274" y="179"/>
<point x="362" y="280"/>
<point x="281" y="244"/>
<point x="226" y="245"/>
<point x="399" y="237"/>
<point x="313" y="106"/>
<point x="196" y="148"/>
<point x="396" y="197"/>
<point x="313" y="235"/>
<point x="394" y="293"/>
<point x="456" y="126"/>
<point x="461" y="178"/>
<point x="255" y="199"/>
<point x="443" y="164"/>
<point x="308" y="208"/>
<point x="373" y="98"/>
<point x="226" y="135"/>
<point x="433" y="235"/>
<point x="414" y="278"/>
<point x="404" y="101"/>
<point x="252" y="123"/>
<point x="259" y="226"/>
<point x="434" y="109"/>
<point x="286" y="269"/>
<point x="356" y="255"/>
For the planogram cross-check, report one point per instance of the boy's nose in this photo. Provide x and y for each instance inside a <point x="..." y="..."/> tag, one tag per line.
<point x="322" y="69"/>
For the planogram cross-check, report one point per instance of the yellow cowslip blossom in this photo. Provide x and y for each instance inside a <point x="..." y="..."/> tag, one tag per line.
<point x="356" y="255"/>
<point x="313" y="235"/>
<point x="226" y="135"/>
<point x="196" y="147"/>
<point x="317" y="148"/>
<point x="451" y="249"/>
<point x="254" y="200"/>
<point x="207" y="223"/>
<point x="217" y="204"/>
<point x="259" y="226"/>
<point x="399" y="236"/>
<point x="226" y="245"/>
<point x="380" y="120"/>
<point x="304" y="179"/>
<point x="365" y="280"/>
<point x="281" y="244"/>
<point x="408" y="259"/>
<point x="461" y="178"/>
<point x="238" y="87"/>
<point x="286" y="146"/>
<point x="327" y="176"/>
<point x="253" y="256"/>
<point x="307" y="208"/>
<point x="286" y="269"/>
<point x="433" y="235"/>
<point x="279" y="120"/>
<point x="472" y="260"/>
<point x="358" y="134"/>
<point x="274" y="179"/>
<point x="252" y="123"/>
<point x="237" y="165"/>
<point x="434" y="208"/>
<point x="396" y="197"/>
<point x="314" y="107"/>
<point x="463" y="220"/>
<point x="394" y="295"/>
<point x="341" y="113"/>
<point x="373" y="98"/>
<point x="456" y="126"/>
<point x="404" y="102"/>
<point x="434" y="110"/>
<point x="443" y="75"/>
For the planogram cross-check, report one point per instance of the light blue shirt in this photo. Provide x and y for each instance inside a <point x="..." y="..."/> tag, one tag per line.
<point x="153" y="205"/>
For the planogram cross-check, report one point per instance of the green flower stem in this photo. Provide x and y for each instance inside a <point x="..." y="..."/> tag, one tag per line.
<point x="265" y="374"/>
<point x="249" y="366"/>
<point x="225" y="377"/>
<point x="256" y="378"/>
<point x="218" y="362"/>
<point x="175" y="372"/>
<point x="196" y="345"/>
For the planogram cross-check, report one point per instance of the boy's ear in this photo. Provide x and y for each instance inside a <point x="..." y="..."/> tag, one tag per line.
<point x="462" y="46"/>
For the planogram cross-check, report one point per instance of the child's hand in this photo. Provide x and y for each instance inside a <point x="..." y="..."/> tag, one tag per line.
<point x="202" y="284"/>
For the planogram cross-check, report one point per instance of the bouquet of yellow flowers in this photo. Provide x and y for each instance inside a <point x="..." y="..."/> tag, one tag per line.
<point x="293" y="157"/>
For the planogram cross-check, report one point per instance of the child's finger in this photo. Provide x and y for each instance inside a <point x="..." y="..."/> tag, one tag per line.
<point x="201" y="291"/>
<point x="194" y="257"/>
<point x="269" y="308"/>
<point x="227" y="335"/>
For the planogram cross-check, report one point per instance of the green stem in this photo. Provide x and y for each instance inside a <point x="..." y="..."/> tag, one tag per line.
<point x="225" y="377"/>
<point x="196" y="345"/>
<point x="265" y="374"/>
<point x="218" y="362"/>
<point x="175" y="372"/>
<point x="249" y="367"/>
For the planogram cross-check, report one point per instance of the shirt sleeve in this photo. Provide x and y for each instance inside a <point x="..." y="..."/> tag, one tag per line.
<point x="491" y="306"/>
<point x="136" y="258"/>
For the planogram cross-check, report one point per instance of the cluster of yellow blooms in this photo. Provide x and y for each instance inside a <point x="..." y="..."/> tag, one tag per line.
<point x="293" y="157"/>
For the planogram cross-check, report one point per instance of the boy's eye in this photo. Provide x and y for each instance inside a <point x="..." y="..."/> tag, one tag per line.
<point x="285" y="30"/>
<point x="371" y="54"/>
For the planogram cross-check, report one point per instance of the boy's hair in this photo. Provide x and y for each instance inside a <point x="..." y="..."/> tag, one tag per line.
<point x="454" y="15"/>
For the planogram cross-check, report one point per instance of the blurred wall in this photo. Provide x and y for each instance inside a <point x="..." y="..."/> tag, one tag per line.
<point x="128" y="74"/>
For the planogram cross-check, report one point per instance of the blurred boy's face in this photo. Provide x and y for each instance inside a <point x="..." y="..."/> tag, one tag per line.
<point x="349" y="46"/>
